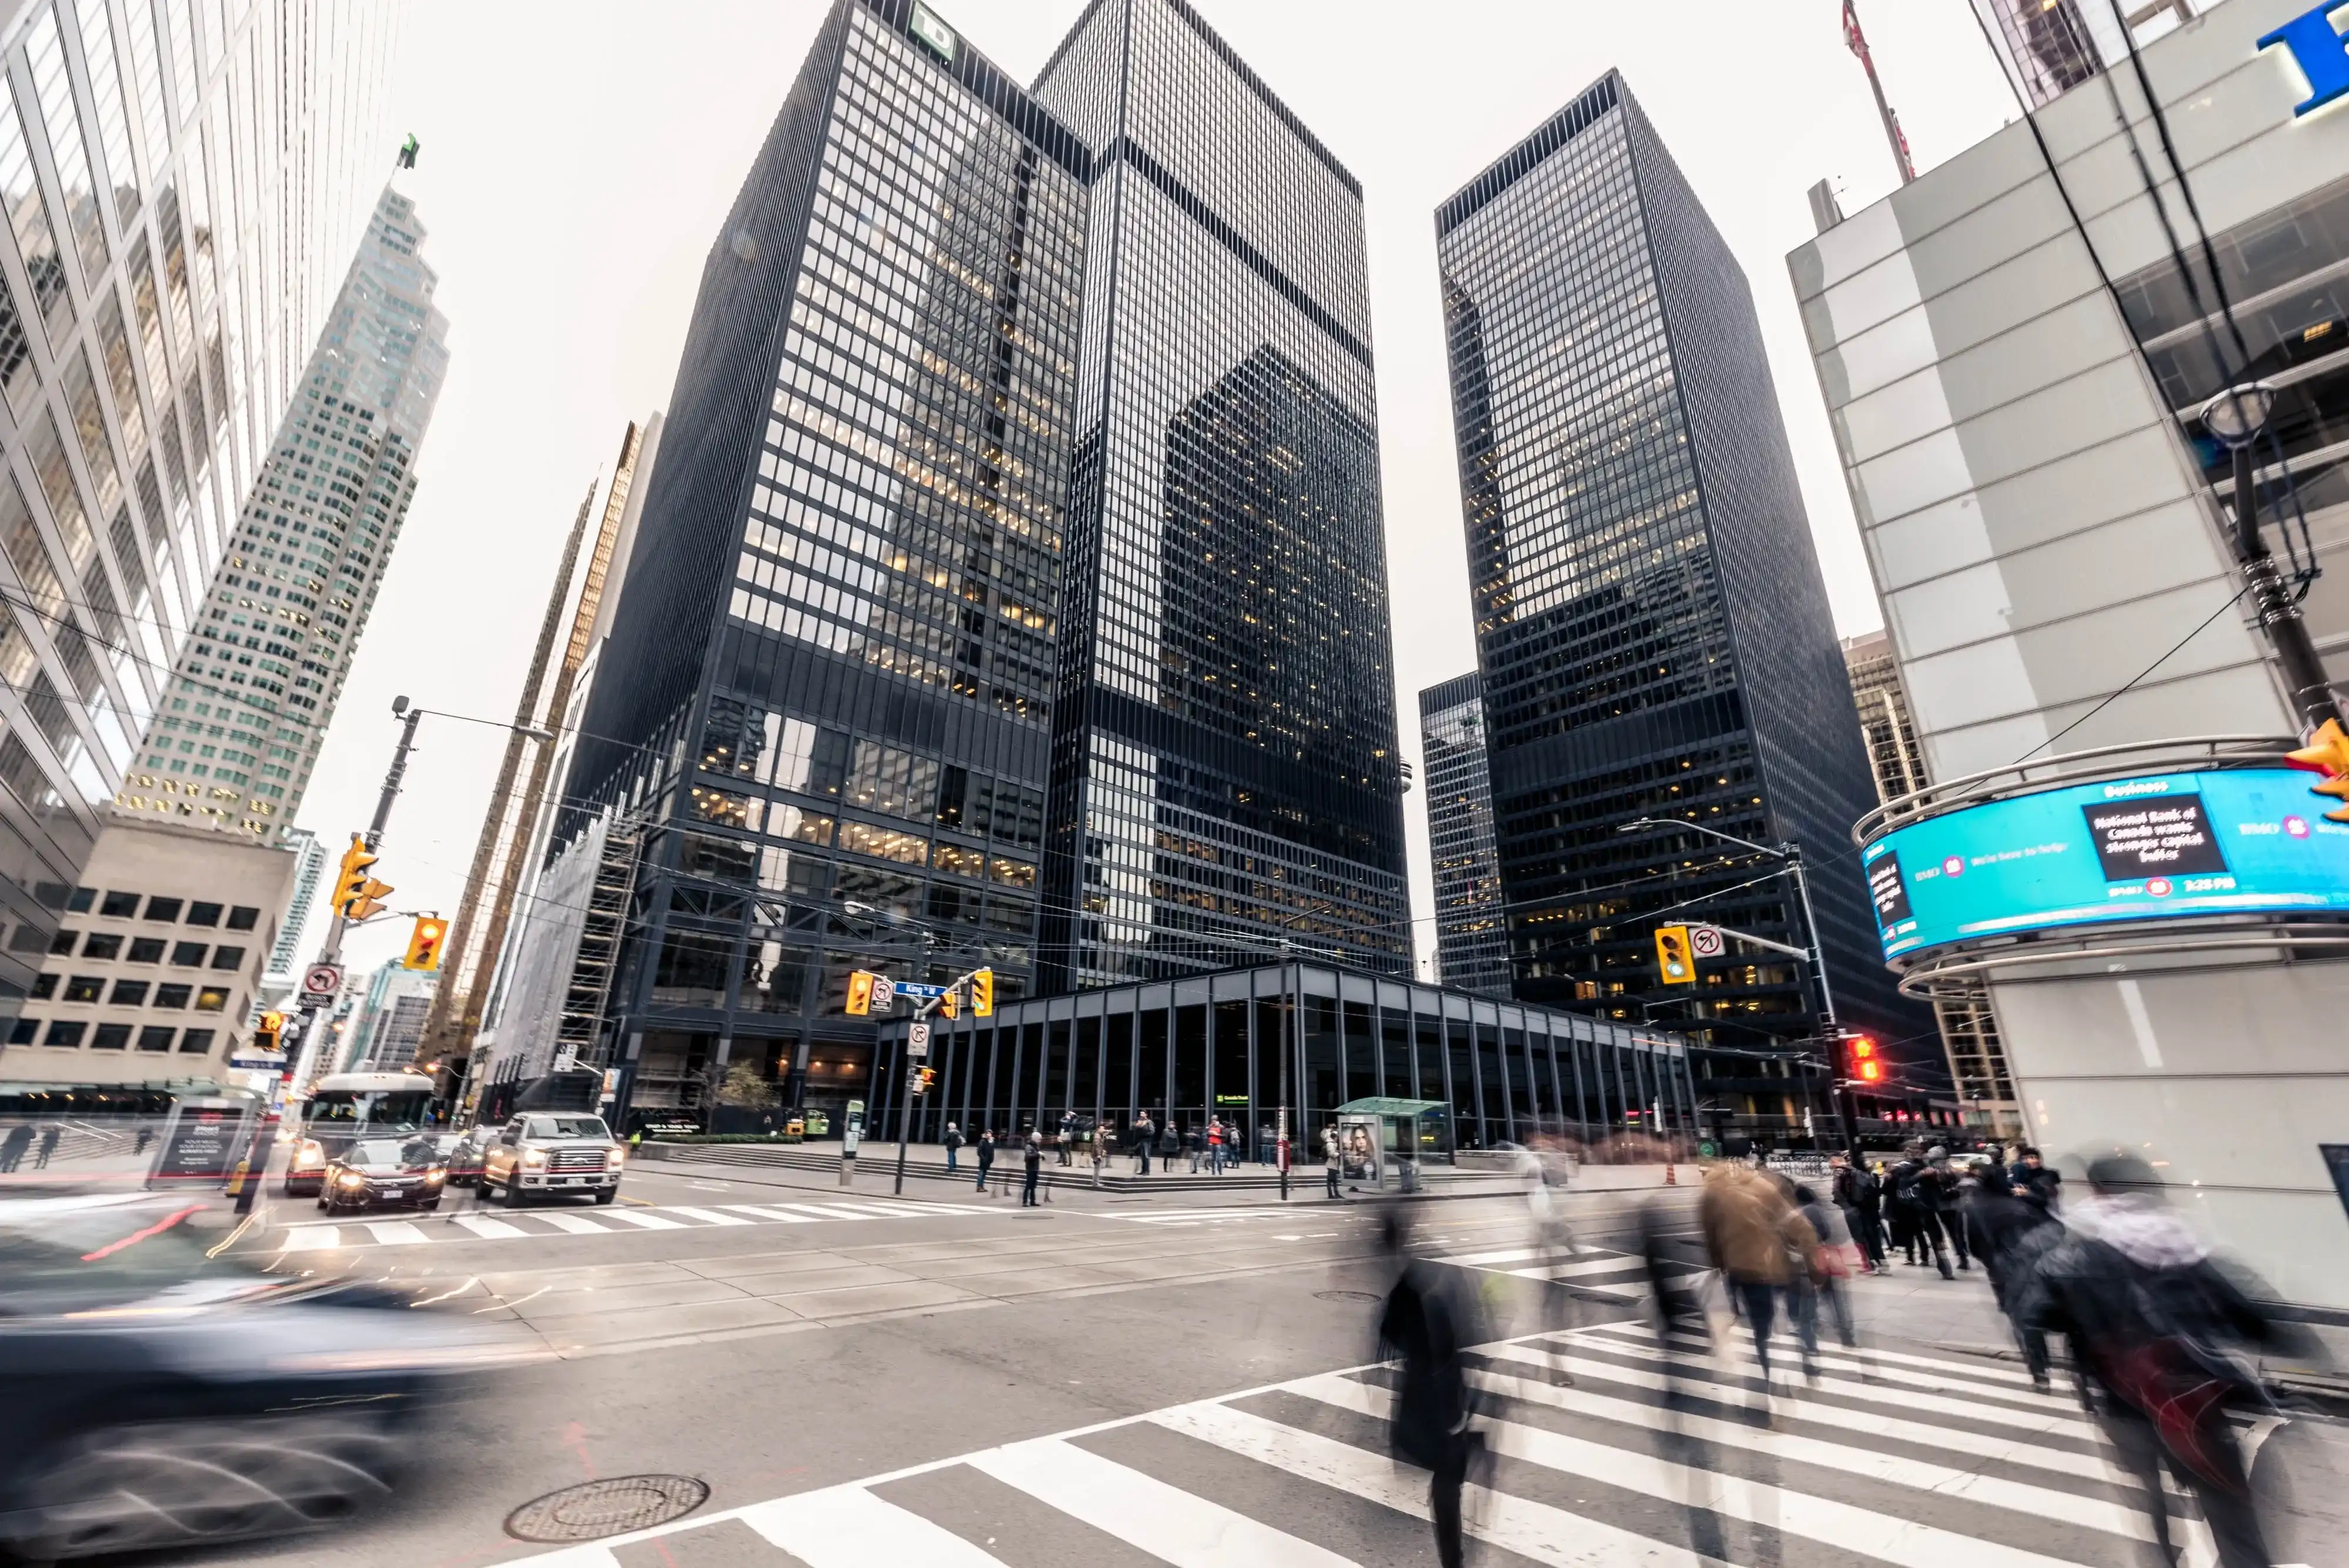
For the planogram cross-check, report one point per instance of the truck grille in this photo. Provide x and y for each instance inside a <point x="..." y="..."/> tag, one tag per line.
<point x="576" y="1159"/>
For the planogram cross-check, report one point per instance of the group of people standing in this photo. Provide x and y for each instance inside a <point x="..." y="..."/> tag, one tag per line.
<point x="1919" y="1205"/>
<point x="1211" y="1142"/>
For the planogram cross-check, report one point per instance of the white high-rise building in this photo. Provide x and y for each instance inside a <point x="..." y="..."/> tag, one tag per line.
<point x="255" y="684"/>
<point x="181" y="187"/>
<point x="285" y="952"/>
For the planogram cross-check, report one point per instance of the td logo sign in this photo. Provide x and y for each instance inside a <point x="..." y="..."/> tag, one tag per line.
<point x="2320" y="52"/>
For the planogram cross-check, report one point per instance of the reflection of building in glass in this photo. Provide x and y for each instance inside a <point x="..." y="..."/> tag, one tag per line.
<point x="162" y="292"/>
<point x="2048" y="46"/>
<point x="1969" y="1029"/>
<point x="1653" y="633"/>
<point x="285" y="953"/>
<point x="1226" y="780"/>
<point x="1213" y="1043"/>
<point x="1472" y="944"/>
<point x="255" y="686"/>
<point x="823" y="714"/>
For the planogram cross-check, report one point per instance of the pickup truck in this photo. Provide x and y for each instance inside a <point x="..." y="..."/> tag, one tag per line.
<point x="553" y="1154"/>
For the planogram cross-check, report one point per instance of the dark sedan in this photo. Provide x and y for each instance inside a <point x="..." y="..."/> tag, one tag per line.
<point x="160" y="1397"/>
<point x="385" y="1173"/>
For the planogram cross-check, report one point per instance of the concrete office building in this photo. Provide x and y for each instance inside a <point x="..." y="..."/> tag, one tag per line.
<point x="2015" y="398"/>
<point x="153" y="973"/>
<point x="1225" y="772"/>
<point x="824" y="707"/>
<point x="255" y="684"/>
<point x="1651" y="625"/>
<point x="1472" y="944"/>
<point x="164" y="278"/>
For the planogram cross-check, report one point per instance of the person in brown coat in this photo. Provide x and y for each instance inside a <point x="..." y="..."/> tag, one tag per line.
<point x="1754" y="1233"/>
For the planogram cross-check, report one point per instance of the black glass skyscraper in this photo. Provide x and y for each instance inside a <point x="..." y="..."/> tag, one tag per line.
<point x="1225" y="774"/>
<point x="1472" y="939"/>
<point x="821" y="726"/>
<point x="1651" y="625"/>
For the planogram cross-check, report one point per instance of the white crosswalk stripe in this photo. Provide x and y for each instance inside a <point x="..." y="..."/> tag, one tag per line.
<point x="1654" y="1456"/>
<point x="325" y="1236"/>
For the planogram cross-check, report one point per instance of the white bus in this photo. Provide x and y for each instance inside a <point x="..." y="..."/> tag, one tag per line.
<point x="343" y="1107"/>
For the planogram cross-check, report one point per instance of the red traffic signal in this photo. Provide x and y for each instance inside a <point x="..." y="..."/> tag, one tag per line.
<point x="1864" y="1063"/>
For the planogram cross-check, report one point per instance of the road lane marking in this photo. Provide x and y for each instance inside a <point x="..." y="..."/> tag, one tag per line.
<point x="642" y="1219"/>
<point x="577" y="1224"/>
<point x="848" y="1527"/>
<point x="707" y="1216"/>
<point x="492" y="1228"/>
<point x="396" y="1234"/>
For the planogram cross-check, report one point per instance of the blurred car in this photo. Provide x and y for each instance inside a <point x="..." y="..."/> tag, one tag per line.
<point x="160" y="1397"/>
<point x="553" y="1153"/>
<point x="385" y="1173"/>
<point x="464" y="1153"/>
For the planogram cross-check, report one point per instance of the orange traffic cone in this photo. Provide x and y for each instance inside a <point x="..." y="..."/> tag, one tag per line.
<point x="1672" y="1177"/>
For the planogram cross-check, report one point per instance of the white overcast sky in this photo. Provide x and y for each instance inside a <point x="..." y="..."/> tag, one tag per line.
<point x="579" y="156"/>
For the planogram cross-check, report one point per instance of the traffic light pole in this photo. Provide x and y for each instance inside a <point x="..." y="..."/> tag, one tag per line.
<point x="2279" y="612"/>
<point x="906" y="1090"/>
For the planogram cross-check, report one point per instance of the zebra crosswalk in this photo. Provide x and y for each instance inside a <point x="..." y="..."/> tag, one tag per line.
<point x="509" y="1225"/>
<point x="1603" y="1446"/>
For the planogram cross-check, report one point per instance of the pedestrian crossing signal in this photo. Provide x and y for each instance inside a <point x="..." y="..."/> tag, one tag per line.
<point x="950" y="1002"/>
<point x="1673" y="960"/>
<point x="923" y="1078"/>
<point x="982" y="993"/>
<point x="267" y="1032"/>
<point x="1865" y="1063"/>
<point x="2327" y="752"/>
<point x="860" y="992"/>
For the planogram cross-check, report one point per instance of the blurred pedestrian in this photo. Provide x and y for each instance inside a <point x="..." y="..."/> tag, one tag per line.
<point x="1916" y="1225"/>
<point x="1032" y="1155"/>
<point x="13" y="1147"/>
<point x="1834" y="1258"/>
<point x="2155" y="1329"/>
<point x="2044" y="1181"/>
<point x="2009" y="1233"/>
<point x="985" y="1155"/>
<point x="1144" y="1135"/>
<point x="1427" y="1323"/>
<point x="146" y="1136"/>
<point x="1195" y="1138"/>
<point x="1859" y="1193"/>
<point x="1948" y="1193"/>
<point x="1330" y="1157"/>
<point x="1170" y="1143"/>
<point x="49" y="1137"/>
<point x="1752" y="1232"/>
<point x="1068" y="1141"/>
<point x="953" y="1140"/>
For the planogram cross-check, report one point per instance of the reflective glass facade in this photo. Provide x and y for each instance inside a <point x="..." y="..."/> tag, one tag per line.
<point x="255" y="685"/>
<point x="1225" y="776"/>
<point x="823" y="710"/>
<point x="184" y="185"/>
<point x="1217" y="1041"/>
<point x="1652" y="631"/>
<point x="1471" y="945"/>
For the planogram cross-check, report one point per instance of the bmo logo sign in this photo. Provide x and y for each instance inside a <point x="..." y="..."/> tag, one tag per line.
<point x="2318" y="49"/>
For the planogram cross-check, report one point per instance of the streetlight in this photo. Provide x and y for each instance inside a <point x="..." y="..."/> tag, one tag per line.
<point x="1789" y="855"/>
<point x="2236" y="419"/>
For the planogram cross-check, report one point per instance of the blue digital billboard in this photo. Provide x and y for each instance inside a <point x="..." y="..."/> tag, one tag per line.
<point x="2163" y="846"/>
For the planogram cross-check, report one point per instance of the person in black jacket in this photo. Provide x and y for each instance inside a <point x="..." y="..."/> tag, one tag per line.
<point x="985" y="1155"/>
<point x="1144" y="1135"/>
<point x="2010" y="1232"/>
<point x="2155" y="1327"/>
<point x="1033" y="1154"/>
<point x="1915" y="1221"/>
<point x="1427" y="1324"/>
<point x="1860" y="1195"/>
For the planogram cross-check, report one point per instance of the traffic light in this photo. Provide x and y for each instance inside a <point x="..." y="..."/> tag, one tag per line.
<point x="860" y="992"/>
<point x="1673" y="960"/>
<point x="982" y="993"/>
<point x="951" y="1002"/>
<point x="2327" y="752"/>
<point x="268" y="1032"/>
<point x="424" y="942"/>
<point x="357" y="894"/>
<point x="1864" y="1062"/>
<point x="923" y="1078"/>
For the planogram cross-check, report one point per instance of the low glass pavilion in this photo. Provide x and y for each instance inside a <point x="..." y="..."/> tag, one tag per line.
<point x="1231" y="1042"/>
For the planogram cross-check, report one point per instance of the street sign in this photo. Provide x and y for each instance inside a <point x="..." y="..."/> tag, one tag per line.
<point x="322" y="979"/>
<point x="263" y="1061"/>
<point x="885" y="992"/>
<point x="1705" y="941"/>
<point x="917" y="1041"/>
<point x="911" y="988"/>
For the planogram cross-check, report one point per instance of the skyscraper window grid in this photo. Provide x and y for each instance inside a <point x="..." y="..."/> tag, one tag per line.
<point x="1225" y="777"/>
<point x="1472" y="943"/>
<point x="114" y="534"/>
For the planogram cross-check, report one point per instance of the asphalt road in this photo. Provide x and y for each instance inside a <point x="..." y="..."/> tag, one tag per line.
<point x="1113" y="1382"/>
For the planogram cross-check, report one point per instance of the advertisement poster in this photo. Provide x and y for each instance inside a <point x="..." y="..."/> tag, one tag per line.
<point x="2163" y="846"/>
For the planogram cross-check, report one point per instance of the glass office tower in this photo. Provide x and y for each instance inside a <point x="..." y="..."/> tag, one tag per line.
<point x="1225" y="777"/>
<point x="183" y="187"/>
<point x="822" y="718"/>
<point x="1651" y="625"/>
<point x="1471" y="945"/>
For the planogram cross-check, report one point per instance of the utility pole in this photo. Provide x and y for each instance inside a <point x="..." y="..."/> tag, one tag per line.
<point x="2238" y="416"/>
<point x="1857" y="41"/>
<point x="921" y="1032"/>
<point x="314" y="1033"/>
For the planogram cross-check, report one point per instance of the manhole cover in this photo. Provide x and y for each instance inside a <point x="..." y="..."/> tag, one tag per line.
<point x="1347" y="1296"/>
<point x="606" y="1508"/>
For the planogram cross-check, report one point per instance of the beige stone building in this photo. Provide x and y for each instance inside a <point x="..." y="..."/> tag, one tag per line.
<point x="152" y="974"/>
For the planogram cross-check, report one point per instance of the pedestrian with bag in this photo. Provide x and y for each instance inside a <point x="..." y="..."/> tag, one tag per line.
<point x="953" y="1140"/>
<point x="986" y="1155"/>
<point x="1752" y="1233"/>
<point x="1834" y="1258"/>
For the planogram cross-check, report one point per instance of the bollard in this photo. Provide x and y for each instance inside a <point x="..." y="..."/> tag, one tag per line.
<point x="1672" y="1177"/>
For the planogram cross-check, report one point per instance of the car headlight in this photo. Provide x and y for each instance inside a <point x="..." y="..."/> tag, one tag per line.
<point x="436" y="1174"/>
<point x="534" y="1157"/>
<point x="352" y="1178"/>
<point x="311" y="1153"/>
<point x="615" y="1158"/>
